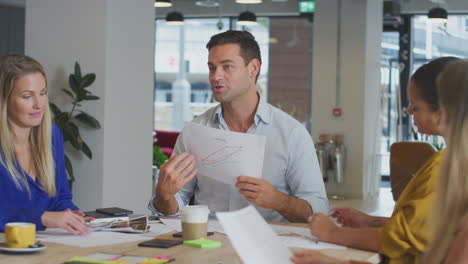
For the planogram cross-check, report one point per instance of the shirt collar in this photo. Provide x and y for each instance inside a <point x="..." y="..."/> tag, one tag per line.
<point x="263" y="113"/>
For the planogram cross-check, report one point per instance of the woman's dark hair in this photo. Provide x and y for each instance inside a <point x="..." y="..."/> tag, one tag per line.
<point x="425" y="80"/>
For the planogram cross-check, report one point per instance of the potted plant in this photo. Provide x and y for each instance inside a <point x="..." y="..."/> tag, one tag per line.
<point x="158" y="159"/>
<point x="70" y="121"/>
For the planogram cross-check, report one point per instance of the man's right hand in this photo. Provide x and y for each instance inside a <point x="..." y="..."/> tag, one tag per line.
<point x="174" y="174"/>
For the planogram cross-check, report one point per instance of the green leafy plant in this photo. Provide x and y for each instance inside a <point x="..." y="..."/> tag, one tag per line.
<point x="158" y="156"/>
<point x="436" y="141"/>
<point x="69" y="122"/>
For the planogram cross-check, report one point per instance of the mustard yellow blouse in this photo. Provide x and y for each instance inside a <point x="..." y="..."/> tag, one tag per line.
<point x="404" y="237"/>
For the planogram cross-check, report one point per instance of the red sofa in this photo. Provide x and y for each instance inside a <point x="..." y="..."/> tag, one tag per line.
<point x="166" y="140"/>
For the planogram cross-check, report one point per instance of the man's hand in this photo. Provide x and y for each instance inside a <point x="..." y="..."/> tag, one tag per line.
<point x="321" y="227"/>
<point x="68" y="220"/>
<point x="350" y="217"/>
<point x="174" y="174"/>
<point x="259" y="192"/>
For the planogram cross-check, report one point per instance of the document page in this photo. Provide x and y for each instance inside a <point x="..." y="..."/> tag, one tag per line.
<point x="223" y="155"/>
<point x="252" y="238"/>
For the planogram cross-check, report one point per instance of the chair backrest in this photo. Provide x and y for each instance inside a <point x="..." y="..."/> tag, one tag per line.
<point x="406" y="158"/>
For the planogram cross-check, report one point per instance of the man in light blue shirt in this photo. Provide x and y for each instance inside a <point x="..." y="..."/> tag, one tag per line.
<point x="291" y="187"/>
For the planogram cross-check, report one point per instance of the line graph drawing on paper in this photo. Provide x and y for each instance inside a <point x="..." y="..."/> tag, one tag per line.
<point x="222" y="155"/>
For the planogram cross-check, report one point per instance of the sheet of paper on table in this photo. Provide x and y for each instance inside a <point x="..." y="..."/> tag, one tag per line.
<point x="131" y="225"/>
<point x="253" y="239"/>
<point x="99" y="238"/>
<point x="302" y="231"/>
<point x="175" y="224"/>
<point x="223" y="155"/>
<point x="299" y="242"/>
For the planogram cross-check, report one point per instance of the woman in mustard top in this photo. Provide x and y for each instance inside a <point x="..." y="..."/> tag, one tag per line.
<point x="402" y="237"/>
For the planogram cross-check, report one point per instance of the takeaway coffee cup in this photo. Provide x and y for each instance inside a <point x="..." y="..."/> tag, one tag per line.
<point x="194" y="221"/>
<point x="20" y="235"/>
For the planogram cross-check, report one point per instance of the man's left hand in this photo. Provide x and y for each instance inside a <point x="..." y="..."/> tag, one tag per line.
<point x="259" y="192"/>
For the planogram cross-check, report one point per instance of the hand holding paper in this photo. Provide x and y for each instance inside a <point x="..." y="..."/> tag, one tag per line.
<point x="258" y="192"/>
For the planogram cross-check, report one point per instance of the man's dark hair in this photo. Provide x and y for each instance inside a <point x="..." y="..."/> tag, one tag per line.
<point x="249" y="48"/>
<point x="425" y="80"/>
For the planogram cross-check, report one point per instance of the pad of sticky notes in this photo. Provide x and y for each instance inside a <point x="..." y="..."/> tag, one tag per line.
<point x="202" y="243"/>
<point x="102" y="258"/>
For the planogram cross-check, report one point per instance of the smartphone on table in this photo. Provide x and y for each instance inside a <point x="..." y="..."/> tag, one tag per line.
<point x="114" y="211"/>
<point x="160" y="243"/>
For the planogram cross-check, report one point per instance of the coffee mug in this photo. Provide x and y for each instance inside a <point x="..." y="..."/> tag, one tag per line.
<point x="194" y="221"/>
<point x="20" y="235"/>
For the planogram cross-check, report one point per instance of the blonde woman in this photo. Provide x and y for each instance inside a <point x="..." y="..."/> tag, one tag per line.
<point x="33" y="182"/>
<point x="449" y="238"/>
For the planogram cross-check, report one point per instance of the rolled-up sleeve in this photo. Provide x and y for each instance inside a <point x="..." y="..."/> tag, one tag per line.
<point x="404" y="235"/>
<point x="303" y="174"/>
<point x="184" y="195"/>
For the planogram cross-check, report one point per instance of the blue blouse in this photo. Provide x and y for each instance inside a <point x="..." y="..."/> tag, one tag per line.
<point x="16" y="205"/>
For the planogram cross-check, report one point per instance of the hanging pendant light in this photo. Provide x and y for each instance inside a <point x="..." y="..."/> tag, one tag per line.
<point x="162" y="3"/>
<point x="175" y="18"/>
<point x="247" y="18"/>
<point x="437" y="14"/>
<point x="249" y="1"/>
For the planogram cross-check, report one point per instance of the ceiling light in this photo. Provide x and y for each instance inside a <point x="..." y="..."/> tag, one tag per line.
<point x="162" y="3"/>
<point x="437" y="14"/>
<point x="249" y="1"/>
<point x="175" y="18"/>
<point x="247" y="18"/>
<point x="207" y="3"/>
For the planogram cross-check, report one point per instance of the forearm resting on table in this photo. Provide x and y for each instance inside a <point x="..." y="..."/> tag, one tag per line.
<point x="167" y="206"/>
<point x="360" y="238"/>
<point x="378" y="221"/>
<point x="294" y="209"/>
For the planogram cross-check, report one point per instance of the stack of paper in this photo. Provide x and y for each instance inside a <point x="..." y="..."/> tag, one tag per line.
<point x="134" y="225"/>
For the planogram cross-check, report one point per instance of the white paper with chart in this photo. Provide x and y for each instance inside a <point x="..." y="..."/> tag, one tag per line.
<point x="223" y="155"/>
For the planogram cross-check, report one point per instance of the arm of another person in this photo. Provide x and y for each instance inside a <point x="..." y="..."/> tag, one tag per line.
<point x="325" y="230"/>
<point x="316" y="257"/>
<point x="350" y="217"/>
<point x="176" y="182"/>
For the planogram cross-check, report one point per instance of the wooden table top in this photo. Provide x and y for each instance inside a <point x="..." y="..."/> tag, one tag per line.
<point x="58" y="253"/>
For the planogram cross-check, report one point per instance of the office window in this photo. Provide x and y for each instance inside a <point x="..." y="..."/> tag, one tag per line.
<point x="192" y="38"/>
<point x="389" y="94"/>
<point x="433" y="40"/>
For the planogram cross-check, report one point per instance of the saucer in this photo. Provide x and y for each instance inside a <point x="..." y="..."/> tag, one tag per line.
<point x="20" y="250"/>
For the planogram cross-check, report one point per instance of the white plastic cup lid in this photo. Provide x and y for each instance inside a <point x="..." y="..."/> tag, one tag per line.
<point x="195" y="214"/>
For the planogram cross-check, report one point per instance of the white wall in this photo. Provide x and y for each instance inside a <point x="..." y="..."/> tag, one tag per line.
<point x="358" y="96"/>
<point x="114" y="39"/>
